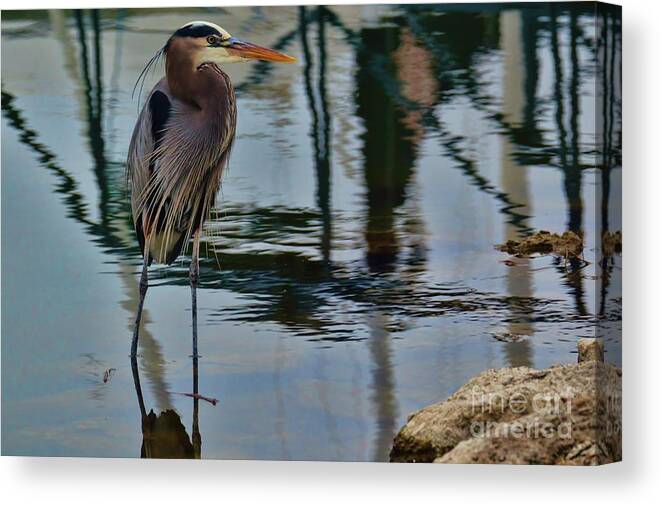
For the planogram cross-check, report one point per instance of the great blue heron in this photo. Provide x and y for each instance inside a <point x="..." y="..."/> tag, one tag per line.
<point x="180" y="146"/>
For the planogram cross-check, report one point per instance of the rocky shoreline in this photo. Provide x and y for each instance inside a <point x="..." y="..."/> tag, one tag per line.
<point x="562" y="415"/>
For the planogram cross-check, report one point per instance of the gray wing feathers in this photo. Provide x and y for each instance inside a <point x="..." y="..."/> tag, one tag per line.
<point x="174" y="197"/>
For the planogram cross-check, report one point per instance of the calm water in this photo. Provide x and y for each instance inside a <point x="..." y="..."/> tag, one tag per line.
<point x="349" y="275"/>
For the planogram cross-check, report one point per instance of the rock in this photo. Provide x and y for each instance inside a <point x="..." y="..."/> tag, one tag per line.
<point x="611" y="243"/>
<point x="567" y="245"/>
<point x="566" y="415"/>
<point x="590" y="349"/>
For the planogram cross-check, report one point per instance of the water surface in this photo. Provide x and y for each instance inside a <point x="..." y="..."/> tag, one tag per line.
<point x="349" y="274"/>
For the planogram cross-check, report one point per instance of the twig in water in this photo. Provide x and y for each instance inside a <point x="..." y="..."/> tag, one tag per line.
<point x="107" y="374"/>
<point x="197" y="396"/>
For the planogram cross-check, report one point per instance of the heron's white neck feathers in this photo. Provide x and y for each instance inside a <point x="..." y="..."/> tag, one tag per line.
<point x="217" y="55"/>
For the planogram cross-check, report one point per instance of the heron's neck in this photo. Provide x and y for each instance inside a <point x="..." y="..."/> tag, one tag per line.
<point x="206" y="87"/>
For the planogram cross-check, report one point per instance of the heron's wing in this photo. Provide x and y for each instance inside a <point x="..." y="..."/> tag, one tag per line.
<point x="142" y="159"/>
<point x="160" y="108"/>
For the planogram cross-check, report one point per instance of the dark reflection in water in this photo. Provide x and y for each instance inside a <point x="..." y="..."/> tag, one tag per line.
<point x="392" y="131"/>
<point x="387" y="150"/>
<point x="164" y="435"/>
<point x="331" y="273"/>
<point x="321" y="123"/>
<point x="609" y="159"/>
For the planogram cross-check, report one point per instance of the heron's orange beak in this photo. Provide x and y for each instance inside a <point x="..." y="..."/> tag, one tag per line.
<point x="243" y="49"/>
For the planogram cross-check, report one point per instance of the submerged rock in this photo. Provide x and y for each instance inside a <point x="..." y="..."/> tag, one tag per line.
<point x="569" y="244"/>
<point x="563" y="415"/>
<point x="611" y="243"/>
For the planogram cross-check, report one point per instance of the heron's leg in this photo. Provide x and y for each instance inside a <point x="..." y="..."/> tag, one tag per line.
<point x="194" y="275"/>
<point x="195" y="435"/>
<point x="144" y="282"/>
<point x="138" y="388"/>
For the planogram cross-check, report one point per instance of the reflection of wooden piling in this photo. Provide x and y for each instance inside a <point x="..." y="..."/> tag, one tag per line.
<point x="513" y="176"/>
<point x="608" y="79"/>
<point x="58" y="22"/>
<point x="514" y="182"/>
<point x="389" y="156"/>
<point x="383" y="385"/>
<point x="570" y="168"/>
<point x="321" y="122"/>
<point x="573" y="172"/>
<point x="151" y="355"/>
<point x="388" y="151"/>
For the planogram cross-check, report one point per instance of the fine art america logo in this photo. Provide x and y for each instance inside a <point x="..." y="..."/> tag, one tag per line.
<point x="520" y="415"/>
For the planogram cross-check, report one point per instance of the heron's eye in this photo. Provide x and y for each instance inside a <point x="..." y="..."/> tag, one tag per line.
<point x="212" y="40"/>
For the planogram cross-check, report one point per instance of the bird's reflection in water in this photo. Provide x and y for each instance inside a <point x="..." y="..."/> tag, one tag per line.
<point x="164" y="435"/>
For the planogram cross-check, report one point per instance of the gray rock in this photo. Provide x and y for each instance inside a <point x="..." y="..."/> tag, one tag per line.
<point x="590" y="349"/>
<point x="567" y="415"/>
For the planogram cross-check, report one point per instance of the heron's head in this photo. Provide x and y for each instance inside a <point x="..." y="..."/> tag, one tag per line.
<point x="206" y="42"/>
